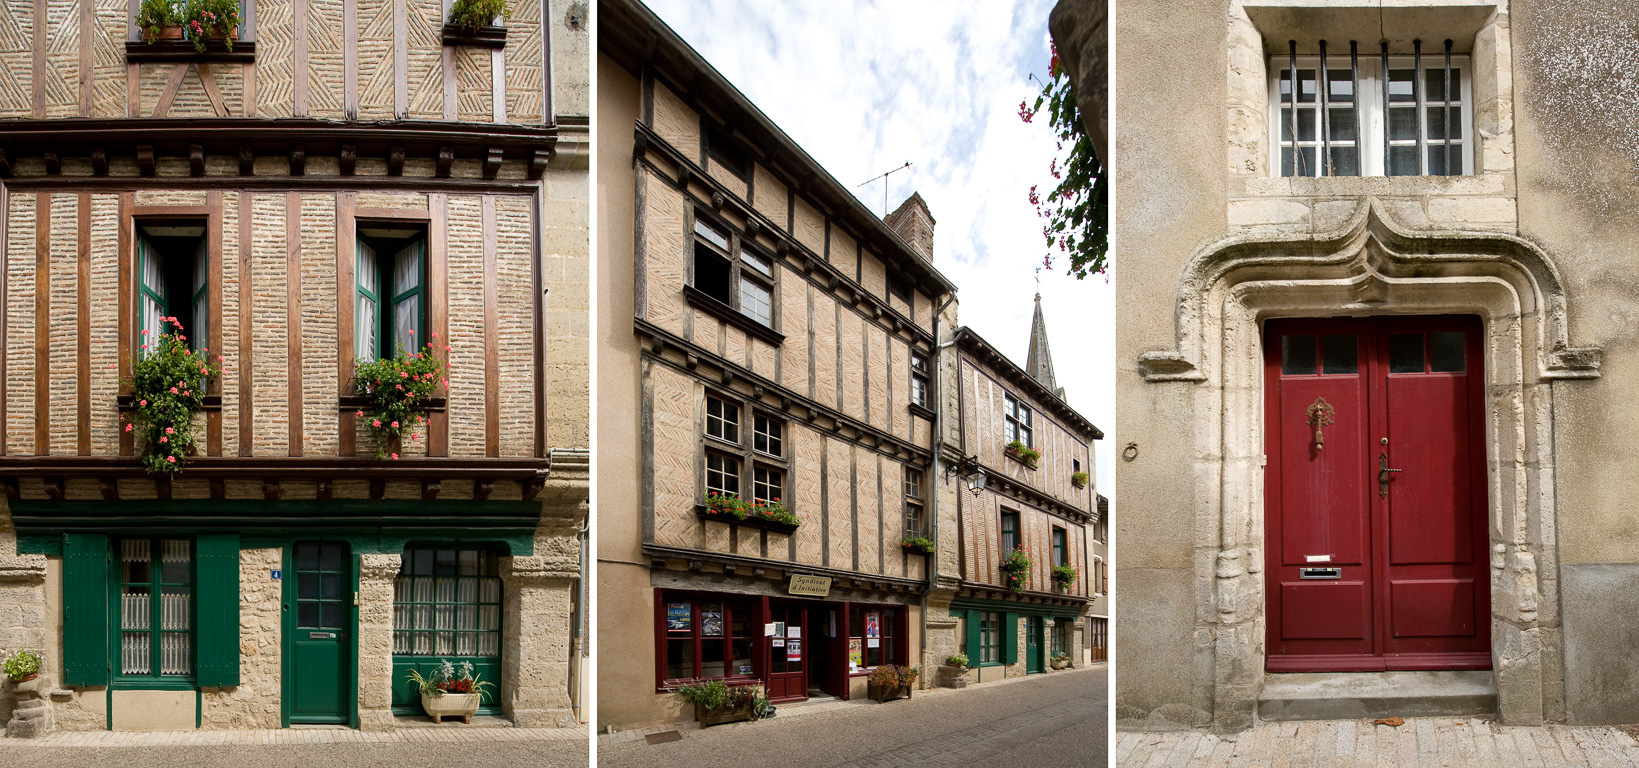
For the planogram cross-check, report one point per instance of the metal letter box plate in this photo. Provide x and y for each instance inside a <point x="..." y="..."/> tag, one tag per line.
<point x="1320" y="573"/>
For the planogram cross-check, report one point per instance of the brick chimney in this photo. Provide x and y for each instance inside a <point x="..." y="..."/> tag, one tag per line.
<point x="914" y="224"/>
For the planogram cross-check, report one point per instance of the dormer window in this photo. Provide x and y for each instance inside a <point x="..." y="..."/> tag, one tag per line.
<point x="1379" y="114"/>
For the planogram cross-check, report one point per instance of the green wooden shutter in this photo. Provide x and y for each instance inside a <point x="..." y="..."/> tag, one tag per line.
<point x="1010" y="637"/>
<point x="217" y="628"/>
<point x="85" y="609"/>
<point x="975" y="651"/>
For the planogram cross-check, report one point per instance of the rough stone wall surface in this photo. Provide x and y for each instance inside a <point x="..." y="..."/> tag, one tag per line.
<point x="254" y="703"/>
<point x="22" y="608"/>
<point x="534" y="692"/>
<point x="375" y="640"/>
<point x="571" y="58"/>
<point x="1573" y="111"/>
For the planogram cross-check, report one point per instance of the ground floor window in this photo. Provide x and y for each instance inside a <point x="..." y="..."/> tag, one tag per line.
<point x="706" y="637"/>
<point x="446" y="607"/>
<point x="1058" y="640"/>
<point x="873" y="636"/>
<point x="155" y="608"/>
<point x="990" y="637"/>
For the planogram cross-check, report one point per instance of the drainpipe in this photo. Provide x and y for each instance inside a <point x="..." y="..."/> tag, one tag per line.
<point x="578" y="646"/>
<point x="933" y="471"/>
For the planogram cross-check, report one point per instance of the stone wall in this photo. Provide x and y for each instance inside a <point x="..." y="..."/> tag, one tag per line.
<point x="254" y="703"/>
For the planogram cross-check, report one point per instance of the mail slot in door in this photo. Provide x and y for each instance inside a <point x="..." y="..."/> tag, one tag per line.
<point x="1320" y="573"/>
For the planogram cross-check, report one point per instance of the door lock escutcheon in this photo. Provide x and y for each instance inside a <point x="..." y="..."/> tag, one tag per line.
<point x="1383" y="471"/>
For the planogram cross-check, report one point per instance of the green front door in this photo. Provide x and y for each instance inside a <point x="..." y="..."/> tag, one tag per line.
<point x="320" y="637"/>
<point x="1033" y="651"/>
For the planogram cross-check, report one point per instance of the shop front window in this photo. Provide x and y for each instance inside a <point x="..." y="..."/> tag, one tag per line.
<point x="1059" y="641"/>
<point x="990" y="637"/>
<point x="873" y="634"/>
<point x="446" y="606"/>
<point x="707" y="638"/>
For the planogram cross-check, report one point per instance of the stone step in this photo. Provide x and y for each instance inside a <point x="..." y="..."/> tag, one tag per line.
<point x="1353" y="695"/>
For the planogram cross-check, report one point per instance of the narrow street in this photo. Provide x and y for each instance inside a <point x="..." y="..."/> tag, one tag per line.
<point x="1055" y="719"/>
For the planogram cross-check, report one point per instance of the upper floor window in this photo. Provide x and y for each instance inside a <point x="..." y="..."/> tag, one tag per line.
<point x="391" y="311"/>
<point x="1019" y="424"/>
<point x="899" y="287"/>
<point x="919" y="379"/>
<point x="1377" y="115"/>
<point x="766" y="436"/>
<point x="722" y="419"/>
<point x="1010" y="531"/>
<point x="913" y="502"/>
<point x="174" y="282"/>
<point x="1061" y="553"/>
<point x="732" y="272"/>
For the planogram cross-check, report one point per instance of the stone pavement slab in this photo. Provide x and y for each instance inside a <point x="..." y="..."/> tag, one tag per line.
<point x="451" y="733"/>
<point x="1435" y="742"/>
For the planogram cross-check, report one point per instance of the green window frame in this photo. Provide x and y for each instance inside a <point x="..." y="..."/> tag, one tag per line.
<point x="153" y="639"/>
<point x="447" y="605"/>
<point x="990" y="637"/>
<point x="154" y="297"/>
<point x="391" y="305"/>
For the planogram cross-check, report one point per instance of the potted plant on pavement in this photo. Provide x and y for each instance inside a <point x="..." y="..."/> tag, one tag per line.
<point x="717" y="702"/>
<point x="450" y="691"/>
<point x="21" y="666"/>
<point x="953" y="673"/>
<point x="1060" y="660"/>
<point x="1016" y="570"/>
<point x="888" y="682"/>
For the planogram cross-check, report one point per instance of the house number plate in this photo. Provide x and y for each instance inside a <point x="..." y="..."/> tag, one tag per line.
<point x="321" y="635"/>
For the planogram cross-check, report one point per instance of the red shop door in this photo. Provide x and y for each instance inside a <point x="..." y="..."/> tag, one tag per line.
<point x="787" y="653"/>
<point x="1376" y="532"/>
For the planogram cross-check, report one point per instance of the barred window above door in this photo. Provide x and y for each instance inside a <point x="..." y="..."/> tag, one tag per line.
<point x="447" y="602"/>
<point x="1381" y="113"/>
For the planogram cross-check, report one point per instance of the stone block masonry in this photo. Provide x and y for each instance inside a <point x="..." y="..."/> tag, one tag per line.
<point x="254" y="703"/>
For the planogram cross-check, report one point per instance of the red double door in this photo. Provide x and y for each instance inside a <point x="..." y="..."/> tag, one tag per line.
<point x="1376" y="532"/>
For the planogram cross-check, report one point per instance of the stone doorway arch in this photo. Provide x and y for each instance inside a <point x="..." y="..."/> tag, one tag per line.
<point x="1372" y="266"/>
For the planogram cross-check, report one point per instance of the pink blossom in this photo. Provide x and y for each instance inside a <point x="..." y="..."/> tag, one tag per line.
<point x="145" y="331"/>
<point x="448" y="348"/>
<point x="395" y="457"/>
<point x="170" y="431"/>
<point x="165" y="439"/>
<point x="127" y="427"/>
<point x="412" y="331"/>
<point x="360" y="413"/>
<point x="376" y="423"/>
<point x="171" y="459"/>
<point x="435" y="335"/>
<point x="184" y="393"/>
<point x="403" y="375"/>
<point x="173" y="390"/>
<point x="220" y="359"/>
<point x="415" y="436"/>
<point x="142" y="402"/>
<point x="395" y="425"/>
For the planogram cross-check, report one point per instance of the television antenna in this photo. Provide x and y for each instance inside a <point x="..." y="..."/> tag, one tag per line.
<point x="884" y="178"/>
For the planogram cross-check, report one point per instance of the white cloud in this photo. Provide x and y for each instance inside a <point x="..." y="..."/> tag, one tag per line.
<point x="865" y="86"/>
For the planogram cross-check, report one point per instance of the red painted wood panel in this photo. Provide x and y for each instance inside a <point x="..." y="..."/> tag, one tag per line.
<point x="1412" y="591"/>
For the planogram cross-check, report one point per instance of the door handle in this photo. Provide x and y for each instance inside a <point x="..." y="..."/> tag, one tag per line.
<point x="1383" y="471"/>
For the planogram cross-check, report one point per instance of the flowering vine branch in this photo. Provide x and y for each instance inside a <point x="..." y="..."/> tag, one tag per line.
<point x="399" y="390"/>
<point x="1076" y="212"/>
<point x="168" y="383"/>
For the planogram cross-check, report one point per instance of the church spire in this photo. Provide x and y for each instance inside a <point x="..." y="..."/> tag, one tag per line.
<point x="1039" y="364"/>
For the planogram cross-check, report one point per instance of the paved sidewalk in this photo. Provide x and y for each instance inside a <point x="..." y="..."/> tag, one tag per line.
<point x="1441" y="741"/>
<point x="450" y="734"/>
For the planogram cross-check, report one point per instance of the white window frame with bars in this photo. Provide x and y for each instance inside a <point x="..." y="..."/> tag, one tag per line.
<point x="448" y="614"/>
<point x="921" y="375"/>
<point x="1371" y="158"/>
<point x="913" y="503"/>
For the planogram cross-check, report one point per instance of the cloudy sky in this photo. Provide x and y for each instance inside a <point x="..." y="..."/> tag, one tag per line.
<point x="866" y="86"/>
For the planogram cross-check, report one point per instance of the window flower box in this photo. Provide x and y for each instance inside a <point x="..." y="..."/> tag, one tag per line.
<point x="727" y="508"/>
<point x="1079" y="479"/>
<point x="1015" y="570"/>
<point x="1023" y="453"/>
<point x="1064" y="576"/>
<point x="476" y="23"/>
<point x="487" y="36"/>
<point x="918" y="545"/>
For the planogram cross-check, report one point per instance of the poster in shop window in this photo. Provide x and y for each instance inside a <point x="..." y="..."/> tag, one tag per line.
<point x="793" y="650"/>
<point x="873" y="624"/>
<point x="678" y="617"/>
<point x="856" y="653"/>
<point x="711" y="621"/>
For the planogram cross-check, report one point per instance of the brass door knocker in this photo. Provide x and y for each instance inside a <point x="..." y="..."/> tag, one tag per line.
<point x="1320" y="415"/>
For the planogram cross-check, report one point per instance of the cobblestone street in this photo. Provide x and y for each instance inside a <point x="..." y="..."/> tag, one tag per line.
<point x="1055" y="719"/>
<point x="443" y="746"/>
<point x="1423" y="742"/>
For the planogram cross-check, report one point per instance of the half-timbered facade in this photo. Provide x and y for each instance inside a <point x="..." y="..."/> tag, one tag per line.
<point x="1026" y="498"/>
<point x="766" y="340"/>
<point x="350" y="180"/>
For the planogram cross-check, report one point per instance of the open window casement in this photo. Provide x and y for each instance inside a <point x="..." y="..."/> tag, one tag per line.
<point x="390" y="309"/>
<point x="173" y="281"/>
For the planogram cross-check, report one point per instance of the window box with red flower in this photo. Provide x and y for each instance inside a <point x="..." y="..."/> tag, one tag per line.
<point x="770" y="515"/>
